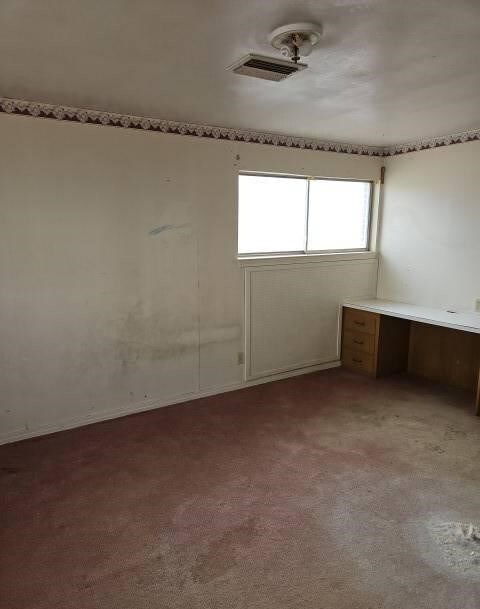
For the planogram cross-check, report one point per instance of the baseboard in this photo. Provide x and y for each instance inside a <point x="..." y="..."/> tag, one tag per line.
<point x="145" y="405"/>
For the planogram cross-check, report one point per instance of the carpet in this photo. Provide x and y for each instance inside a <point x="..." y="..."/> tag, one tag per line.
<point x="318" y="492"/>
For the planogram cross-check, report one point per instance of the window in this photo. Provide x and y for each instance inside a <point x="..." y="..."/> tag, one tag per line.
<point x="284" y="214"/>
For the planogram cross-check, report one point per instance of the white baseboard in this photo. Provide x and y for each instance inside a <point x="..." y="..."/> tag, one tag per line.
<point x="143" y="406"/>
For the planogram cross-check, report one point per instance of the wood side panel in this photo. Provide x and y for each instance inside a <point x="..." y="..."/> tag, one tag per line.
<point x="444" y="355"/>
<point x="477" y="402"/>
<point x="462" y="359"/>
<point x="375" y="354"/>
<point x="425" y="356"/>
<point x="393" y="344"/>
<point x="477" y="398"/>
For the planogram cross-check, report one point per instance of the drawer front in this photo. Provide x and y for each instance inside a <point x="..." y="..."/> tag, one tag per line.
<point x="358" y="361"/>
<point x="359" y="321"/>
<point x="359" y="341"/>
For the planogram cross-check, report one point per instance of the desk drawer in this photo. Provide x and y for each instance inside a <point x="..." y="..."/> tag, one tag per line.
<point x="359" y="341"/>
<point x="359" y="321"/>
<point x="357" y="361"/>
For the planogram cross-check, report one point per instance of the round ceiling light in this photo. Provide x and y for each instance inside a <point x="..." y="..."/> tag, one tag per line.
<point x="295" y="40"/>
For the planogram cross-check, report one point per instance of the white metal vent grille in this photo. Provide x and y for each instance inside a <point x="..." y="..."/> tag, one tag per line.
<point x="266" y="68"/>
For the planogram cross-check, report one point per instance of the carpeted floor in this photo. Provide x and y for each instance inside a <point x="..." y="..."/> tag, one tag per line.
<point x="317" y="492"/>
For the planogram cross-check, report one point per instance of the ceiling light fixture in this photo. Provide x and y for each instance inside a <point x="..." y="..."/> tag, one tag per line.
<point x="295" y="40"/>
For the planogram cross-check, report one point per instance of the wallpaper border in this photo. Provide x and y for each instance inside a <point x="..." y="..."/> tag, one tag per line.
<point x="127" y="121"/>
<point x="96" y="117"/>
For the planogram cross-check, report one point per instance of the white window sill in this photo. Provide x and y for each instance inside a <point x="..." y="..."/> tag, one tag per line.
<point x="246" y="261"/>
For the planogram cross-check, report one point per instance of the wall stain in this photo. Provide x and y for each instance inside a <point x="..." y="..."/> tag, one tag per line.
<point x="152" y="338"/>
<point x="166" y="227"/>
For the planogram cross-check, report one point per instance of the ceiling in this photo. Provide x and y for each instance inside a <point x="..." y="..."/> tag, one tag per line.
<point x="385" y="72"/>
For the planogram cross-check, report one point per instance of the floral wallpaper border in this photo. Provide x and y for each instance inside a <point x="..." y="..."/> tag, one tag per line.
<point x="96" y="117"/>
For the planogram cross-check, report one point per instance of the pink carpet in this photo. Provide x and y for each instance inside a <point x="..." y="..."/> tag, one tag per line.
<point x="316" y="492"/>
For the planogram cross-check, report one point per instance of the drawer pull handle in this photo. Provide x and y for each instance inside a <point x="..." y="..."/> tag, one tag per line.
<point x="357" y="361"/>
<point x="359" y="323"/>
<point x="358" y="342"/>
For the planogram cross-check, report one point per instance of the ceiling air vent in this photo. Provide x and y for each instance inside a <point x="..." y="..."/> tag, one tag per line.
<point x="267" y="68"/>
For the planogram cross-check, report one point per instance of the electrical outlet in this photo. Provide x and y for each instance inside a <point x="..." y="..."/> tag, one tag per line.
<point x="477" y="305"/>
<point x="241" y="358"/>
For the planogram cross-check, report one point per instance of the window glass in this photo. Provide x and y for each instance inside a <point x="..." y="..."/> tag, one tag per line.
<point x="272" y="214"/>
<point x="287" y="214"/>
<point x="338" y="217"/>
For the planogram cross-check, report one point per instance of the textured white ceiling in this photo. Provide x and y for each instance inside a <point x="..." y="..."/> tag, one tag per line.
<point x="386" y="71"/>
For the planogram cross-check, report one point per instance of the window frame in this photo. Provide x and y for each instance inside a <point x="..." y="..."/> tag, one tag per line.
<point x="306" y="251"/>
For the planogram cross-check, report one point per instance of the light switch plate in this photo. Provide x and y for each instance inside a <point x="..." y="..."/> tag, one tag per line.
<point x="477" y="305"/>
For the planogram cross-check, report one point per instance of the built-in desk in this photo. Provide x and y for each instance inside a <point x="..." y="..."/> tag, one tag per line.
<point x="380" y="337"/>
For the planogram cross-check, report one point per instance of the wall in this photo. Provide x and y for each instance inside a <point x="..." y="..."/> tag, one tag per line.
<point x="120" y="285"/>
<point x="429" y="240"/>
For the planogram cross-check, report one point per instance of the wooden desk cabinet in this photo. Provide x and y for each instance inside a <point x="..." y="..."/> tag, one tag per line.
<point x="379" y="345"/>
<point x="374" y="344"/>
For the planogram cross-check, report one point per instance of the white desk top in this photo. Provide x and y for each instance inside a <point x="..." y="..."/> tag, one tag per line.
<point x="468" y="322"/>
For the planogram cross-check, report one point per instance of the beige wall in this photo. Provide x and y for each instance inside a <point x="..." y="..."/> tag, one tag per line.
<point x="101" y="312"/>
<point x="429" y="241"/>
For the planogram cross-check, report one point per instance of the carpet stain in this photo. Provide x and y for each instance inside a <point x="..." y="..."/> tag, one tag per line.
<point x="459" y="544"/>
<point x="223" y="554"/>
<point x="435" y="448"/>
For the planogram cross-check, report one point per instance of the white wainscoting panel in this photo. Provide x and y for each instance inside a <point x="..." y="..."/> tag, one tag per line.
<point x="292" y="312"/>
